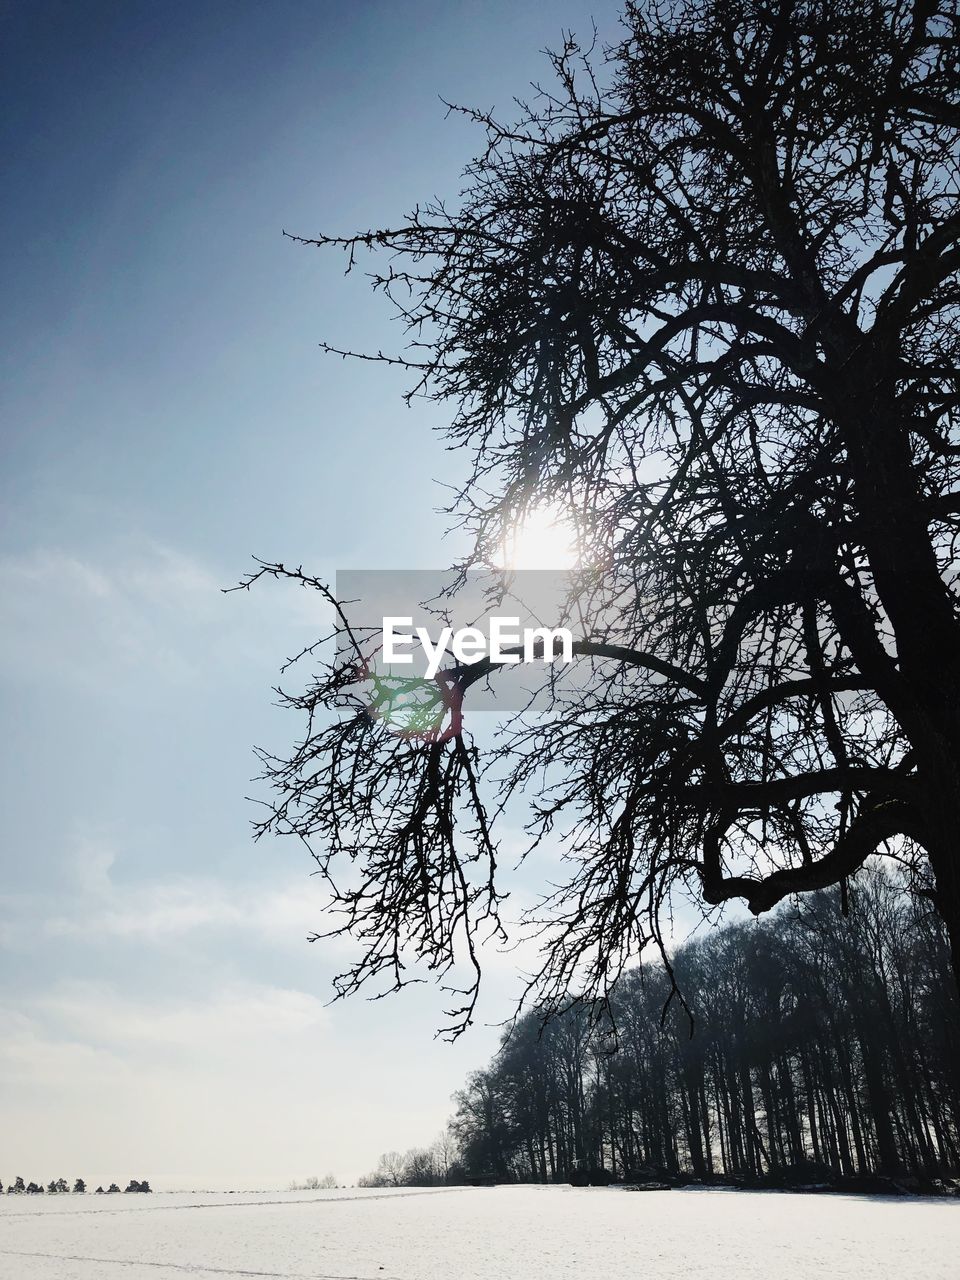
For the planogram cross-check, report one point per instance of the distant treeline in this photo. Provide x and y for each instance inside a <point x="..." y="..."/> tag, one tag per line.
<point x="327" y="1183"/>
<point x="62" y="1187"/>
<point x="824" y="1045"/>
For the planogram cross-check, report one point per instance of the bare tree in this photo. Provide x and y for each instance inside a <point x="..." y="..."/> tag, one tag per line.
<point x="826" y="1050"/>
<point x="446" y="1154"/>
<point x="705" y="300"/>
<point x="390" y="1171"/>
<point x="327" y="1183"/>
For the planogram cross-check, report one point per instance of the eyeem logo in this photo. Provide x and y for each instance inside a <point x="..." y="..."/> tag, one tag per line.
<point x="504" y="643"/>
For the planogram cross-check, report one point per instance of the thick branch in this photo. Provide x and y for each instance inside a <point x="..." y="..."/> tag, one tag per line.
<point x="879" y="819"/>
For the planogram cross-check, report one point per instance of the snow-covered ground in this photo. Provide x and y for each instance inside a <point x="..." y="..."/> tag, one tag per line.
<point x="531" y="1233"/>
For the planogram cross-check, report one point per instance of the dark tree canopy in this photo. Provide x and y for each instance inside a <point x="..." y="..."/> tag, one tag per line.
<point x="827" y="1048"/>
<point x="703" y="297"/>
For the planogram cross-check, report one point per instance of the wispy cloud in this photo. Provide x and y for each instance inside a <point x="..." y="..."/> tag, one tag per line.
<point x="109" y="1085"/>
<point x="225" y="1016"/>
<point x="144" y="609"/>
<point x="73" y="619"/>
<point x="155" y="911"/>
<point x="99" y="904"/>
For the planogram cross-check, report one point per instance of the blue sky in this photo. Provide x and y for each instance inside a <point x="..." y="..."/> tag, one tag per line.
<point x="166" y="414"/>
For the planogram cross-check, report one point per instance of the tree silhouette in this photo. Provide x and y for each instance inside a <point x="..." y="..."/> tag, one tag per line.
<point x="79" y="1187"/>
<point x="390" y="1169"/>
<point x="419" y="1167"/>
<point x="826" y="1053"/>
<point x="327" y="1183"/>
<point x="705" y="301"/>
<point x="826" y="1050"/>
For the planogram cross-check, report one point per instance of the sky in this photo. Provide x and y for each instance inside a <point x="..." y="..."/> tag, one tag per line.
<point x="165" y="415"/>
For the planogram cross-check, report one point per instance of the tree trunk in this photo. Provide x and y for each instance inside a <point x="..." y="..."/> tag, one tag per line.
<point x="944" y="857"/>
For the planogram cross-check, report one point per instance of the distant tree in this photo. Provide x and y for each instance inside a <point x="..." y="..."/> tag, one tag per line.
<point x="134" y="1185"/>
<point x="79" y="1187"/>
<point x="18" y="1187"/>
<point x="112" y="1189"/>
<point x="52" y="1188"/>
<point x="393" y="1166"/>
<point x="418" y="1167"/>
<point x="826" y="1048"/>
<point x="99" y="1191"/>
<point x="445" y="1154"/>
<point x="326" y="1183"/>
<point x="388" y="1173"/>
<point x="62" y="1186"/>
<point x="34" y="1188"/>
<point x="709" y="308"/>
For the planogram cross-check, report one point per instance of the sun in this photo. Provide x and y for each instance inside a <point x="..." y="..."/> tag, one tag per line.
<point x="542" y="540"/>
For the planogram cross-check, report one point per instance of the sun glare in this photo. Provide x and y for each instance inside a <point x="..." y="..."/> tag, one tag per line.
<point x="543" y="540"/>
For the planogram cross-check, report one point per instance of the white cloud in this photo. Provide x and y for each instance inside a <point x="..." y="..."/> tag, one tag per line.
<point x="145" y="610"/>
<point x="177" y="1061"/>
<point x="97" y="1082"/>
<point x="151" y="572"/>
<point x="30" y="1055"/>
<point x="76" y="620"/>
<point x="161" y="912"/>
<point x="225" y="1017"/>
